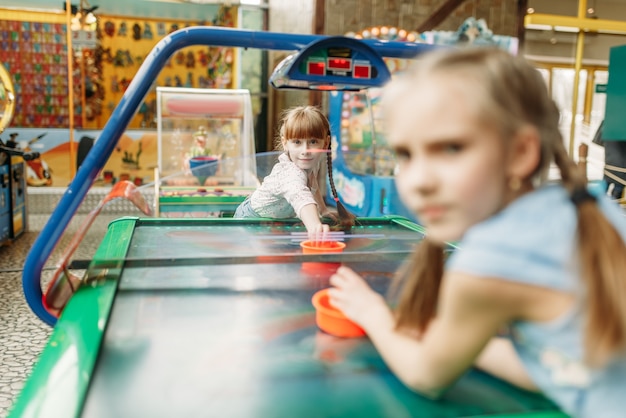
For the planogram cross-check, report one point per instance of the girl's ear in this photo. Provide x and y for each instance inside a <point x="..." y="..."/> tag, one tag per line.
<point x="525" y="153"/>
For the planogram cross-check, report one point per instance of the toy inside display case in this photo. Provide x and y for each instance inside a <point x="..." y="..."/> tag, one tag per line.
<point x="205" y="144"/>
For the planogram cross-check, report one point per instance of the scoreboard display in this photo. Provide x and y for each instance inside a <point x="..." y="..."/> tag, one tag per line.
<point x="334" y="63"/>
<point x="342" y="62"/>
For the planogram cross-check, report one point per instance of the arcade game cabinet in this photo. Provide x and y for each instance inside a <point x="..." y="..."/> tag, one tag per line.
<point x="612" y="132"/>
<point x="13" y="214"/>
<point x="363" y="164"/>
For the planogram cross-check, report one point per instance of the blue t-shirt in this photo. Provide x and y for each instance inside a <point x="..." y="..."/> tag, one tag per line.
<point x="533" y="241"/>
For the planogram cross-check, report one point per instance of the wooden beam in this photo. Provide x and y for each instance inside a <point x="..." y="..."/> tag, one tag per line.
<point x="522" y="6"/>
<point x="319" y="26"/>
<point x="439" y="15"/>
<point x="319" y="19"/>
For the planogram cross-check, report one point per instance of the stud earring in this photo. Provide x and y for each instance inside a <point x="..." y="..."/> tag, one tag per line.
<point x="515" y="184"/>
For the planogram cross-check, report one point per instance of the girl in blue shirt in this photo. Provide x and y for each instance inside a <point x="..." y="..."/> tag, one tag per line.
<point x="475" y="132"/>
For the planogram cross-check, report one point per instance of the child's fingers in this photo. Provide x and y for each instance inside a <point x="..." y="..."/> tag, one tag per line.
<point x="336" y="280"/>
<point x="344" y="277"/>
<point x="314" y="235"/>
<point x="348" y="275"/>
<point x="335" y="298"/>
<point x="319" y="234"/>
<point x="324" y="236"/>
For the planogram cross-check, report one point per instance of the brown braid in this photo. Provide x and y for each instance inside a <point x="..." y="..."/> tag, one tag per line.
<point x="346" y="219"/>
<point x="603" y="264"/>
<point x="417" y="285"/>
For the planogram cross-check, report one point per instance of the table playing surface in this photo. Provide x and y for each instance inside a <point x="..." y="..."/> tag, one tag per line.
<point x="214" y="318"/>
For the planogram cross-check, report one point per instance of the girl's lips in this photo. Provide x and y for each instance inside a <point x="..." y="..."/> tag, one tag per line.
<point x="431" y="212"/>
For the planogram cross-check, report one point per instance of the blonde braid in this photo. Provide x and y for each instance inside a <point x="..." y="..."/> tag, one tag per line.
<point x="603" y="263"/>
<point x="417" y="285"/>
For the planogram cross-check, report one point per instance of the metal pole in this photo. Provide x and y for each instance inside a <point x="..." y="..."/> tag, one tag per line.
<point x="580" y="40"/>
<point x="83" y="93"/>
<point x="70" y="83"/>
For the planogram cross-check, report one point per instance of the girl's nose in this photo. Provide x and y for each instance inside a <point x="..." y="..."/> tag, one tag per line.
<point x="422" y="176"/>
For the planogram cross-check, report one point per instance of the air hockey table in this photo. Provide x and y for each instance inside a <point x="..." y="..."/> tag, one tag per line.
<point x="199" y="201"/>
<point x="213" y="317"/>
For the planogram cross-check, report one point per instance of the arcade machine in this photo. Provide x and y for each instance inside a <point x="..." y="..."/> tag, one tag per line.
<point x="13" y="183"/>
<point x="13" y="214"/>
<point x="19" y="215"/>
<point x="363" y="164"/>
<point x="213" y="317"/>
<point x="205" y="151"/>
<point x="613" y="134"/>
<point x="5" y="202"/>
<point x="7" y="106"/>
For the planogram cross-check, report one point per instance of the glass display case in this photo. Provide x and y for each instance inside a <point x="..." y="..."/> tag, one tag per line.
<point x="205" y="127"/>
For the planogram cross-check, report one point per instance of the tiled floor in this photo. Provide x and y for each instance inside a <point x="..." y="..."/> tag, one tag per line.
<point x="22" y="334"/>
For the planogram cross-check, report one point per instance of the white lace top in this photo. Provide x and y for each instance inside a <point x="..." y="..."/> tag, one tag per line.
<point x="284" y="192"/>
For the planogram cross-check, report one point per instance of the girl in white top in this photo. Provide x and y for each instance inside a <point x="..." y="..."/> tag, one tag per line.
<point x="292" y="189"/>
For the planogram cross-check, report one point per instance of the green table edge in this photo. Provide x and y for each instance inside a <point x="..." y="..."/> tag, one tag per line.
<point x="59" y="380"/>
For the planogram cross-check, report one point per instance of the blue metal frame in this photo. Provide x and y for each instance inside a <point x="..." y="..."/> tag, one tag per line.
<point x="116" y="125"/>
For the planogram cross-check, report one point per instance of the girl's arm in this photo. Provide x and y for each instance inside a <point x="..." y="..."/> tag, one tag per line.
<point x="291" y="183"/>
<point x="500" y="359"/>
<point x="471" y="311"/>
<point x="311" y="219"/>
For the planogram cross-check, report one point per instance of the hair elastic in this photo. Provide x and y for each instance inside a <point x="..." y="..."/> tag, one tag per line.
<point x="580" y="195"/>
<point x="336" y="199"/>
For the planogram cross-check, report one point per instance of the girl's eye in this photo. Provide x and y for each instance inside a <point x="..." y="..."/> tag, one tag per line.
<point x="297" y="141"/>
<point x="402" y="154"/>
<point x="314" y="141"/>
<point x="452" y="148"/>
